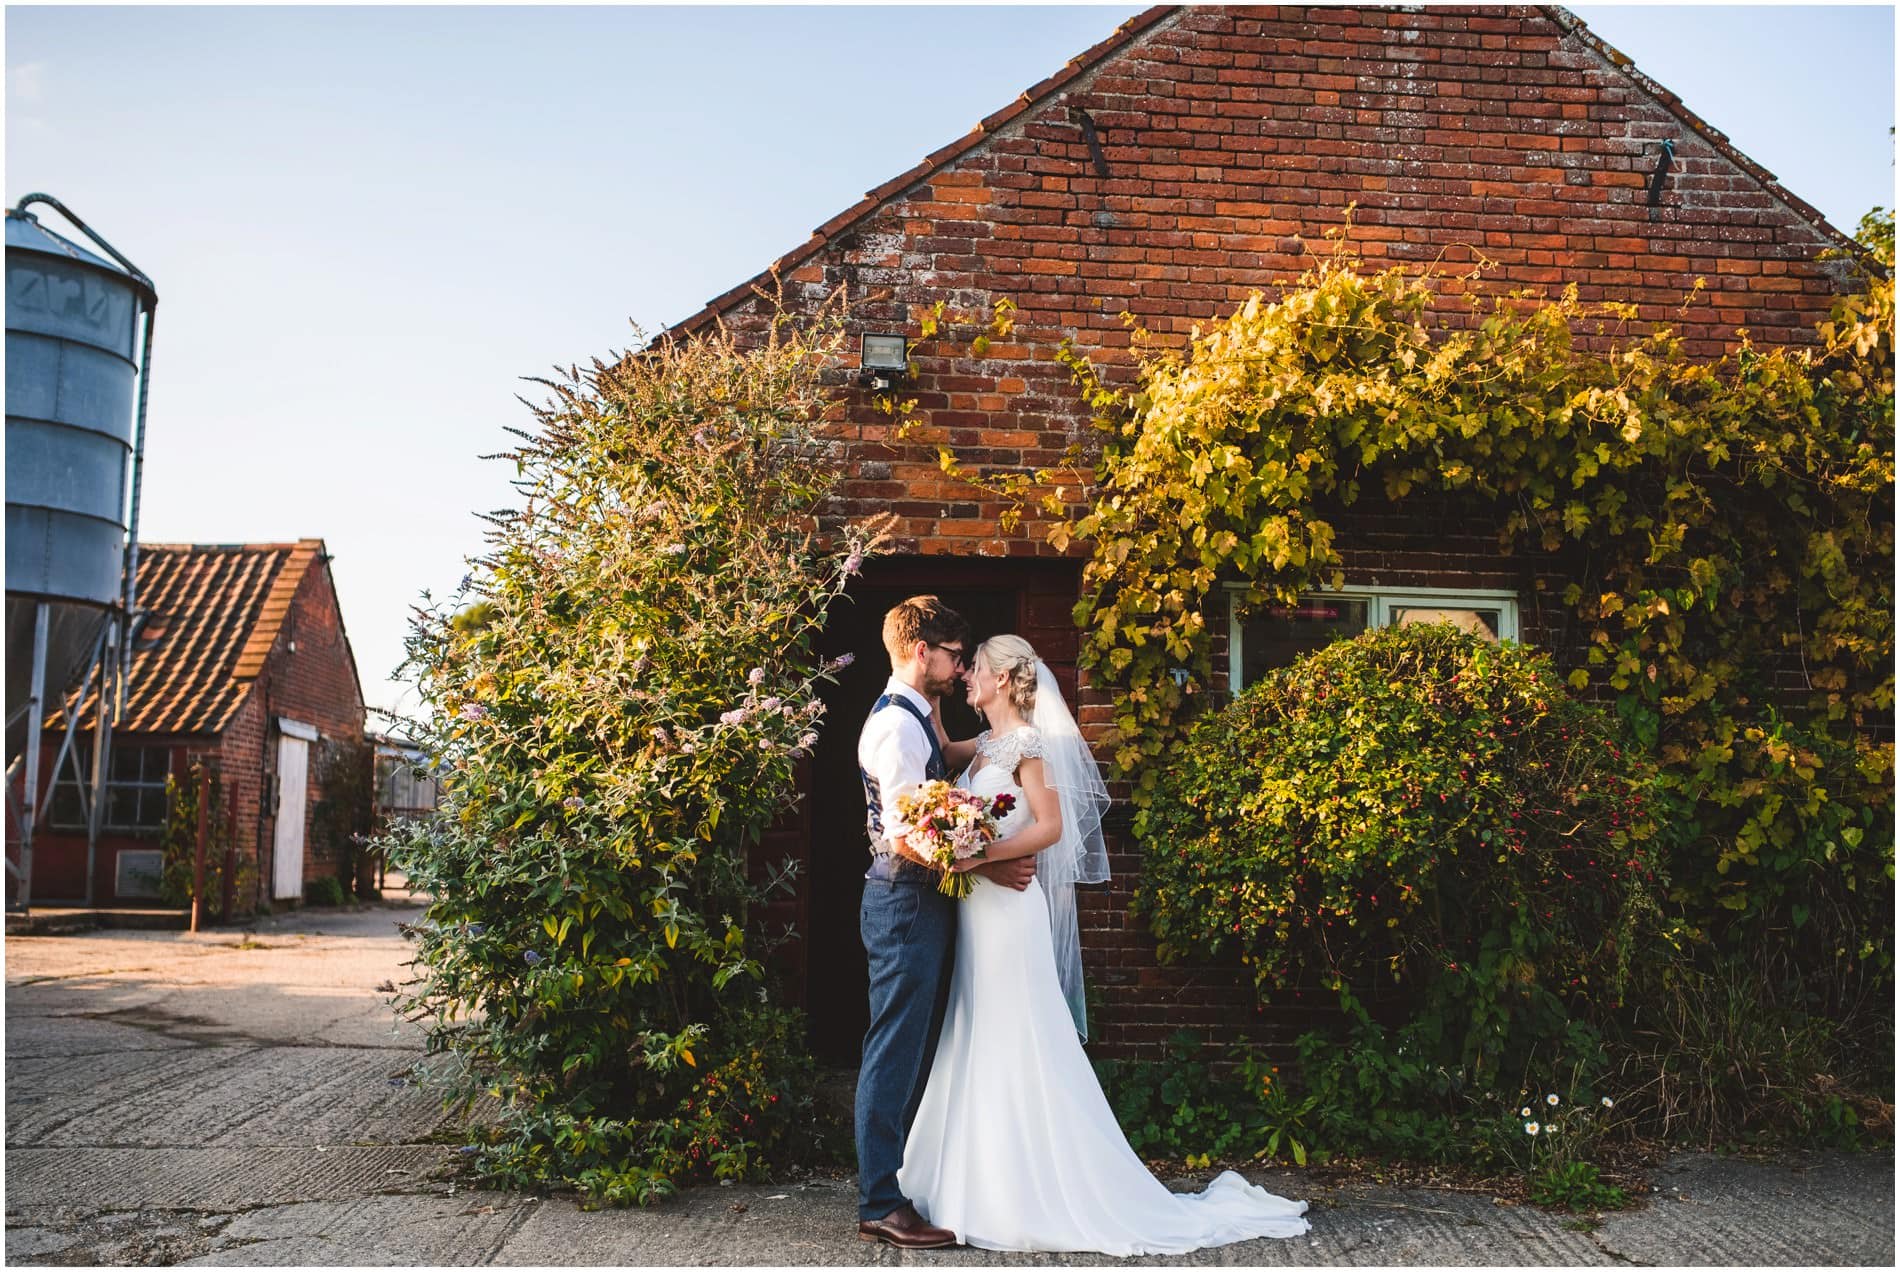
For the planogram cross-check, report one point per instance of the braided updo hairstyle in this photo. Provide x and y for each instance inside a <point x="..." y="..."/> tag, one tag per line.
<point x="1014" y="657"/>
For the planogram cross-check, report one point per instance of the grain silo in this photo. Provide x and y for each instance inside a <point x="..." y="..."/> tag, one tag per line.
<point x="79" y="346"/>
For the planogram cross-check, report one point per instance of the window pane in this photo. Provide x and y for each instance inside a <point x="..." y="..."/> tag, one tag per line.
<point x="152" y="807"/>
<point x="140" y="764"/>
<point x="122" y="807"/>
<point x="65" y="812"/>
<point x="1479" y="622"/>
<point x="1277" y="636"/>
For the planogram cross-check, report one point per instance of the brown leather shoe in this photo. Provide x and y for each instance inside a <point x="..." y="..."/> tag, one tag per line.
<point x="906" y="1228"/>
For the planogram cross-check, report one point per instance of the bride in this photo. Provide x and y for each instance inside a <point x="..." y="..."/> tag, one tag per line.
<point x="1014" y="1146"/>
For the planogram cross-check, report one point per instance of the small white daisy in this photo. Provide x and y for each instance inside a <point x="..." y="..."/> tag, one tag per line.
<point x="1551" y="1100"/>
<point x="1530" y="1128"/>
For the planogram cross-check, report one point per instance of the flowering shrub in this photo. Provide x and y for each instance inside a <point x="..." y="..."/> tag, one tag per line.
<point x="621" y="691"/>
<point x="1416" y="806"/>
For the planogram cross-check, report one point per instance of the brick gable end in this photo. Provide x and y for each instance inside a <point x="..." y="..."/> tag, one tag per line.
<point x="1234" y="139"/>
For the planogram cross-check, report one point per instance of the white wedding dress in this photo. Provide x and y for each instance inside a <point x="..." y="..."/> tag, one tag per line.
<point x="1014" y="1146"/>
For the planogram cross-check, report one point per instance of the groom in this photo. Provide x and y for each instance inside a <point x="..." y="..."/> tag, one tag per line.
<point x="909" y="928"/>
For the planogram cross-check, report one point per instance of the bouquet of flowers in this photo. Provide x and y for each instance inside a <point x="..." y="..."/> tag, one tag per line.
<point x="947" y="825"/>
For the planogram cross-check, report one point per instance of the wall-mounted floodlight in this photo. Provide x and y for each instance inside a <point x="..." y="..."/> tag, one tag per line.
<point x="883" y="359"/>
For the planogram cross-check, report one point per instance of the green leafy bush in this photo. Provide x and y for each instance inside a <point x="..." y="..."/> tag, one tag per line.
<point x="621" y="694"/>
<point x="1384" y="1092"/>
<point x="342" y="817"/>
<point x="1187" y="1108"/>
<point x="1179" y="1107"/>
<point x="325" y="891"/>
<point x="1420" y="806"/>
<point x="179" y="842"/>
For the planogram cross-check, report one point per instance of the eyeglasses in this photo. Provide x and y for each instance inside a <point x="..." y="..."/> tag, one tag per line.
<point x="963" y="657"/>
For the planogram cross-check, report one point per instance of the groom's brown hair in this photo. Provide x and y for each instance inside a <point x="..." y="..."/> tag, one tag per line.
<point x="922" y="618"/>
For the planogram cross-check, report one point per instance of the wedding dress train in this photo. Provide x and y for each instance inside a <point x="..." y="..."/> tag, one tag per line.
<point x="1014" y="1146"/>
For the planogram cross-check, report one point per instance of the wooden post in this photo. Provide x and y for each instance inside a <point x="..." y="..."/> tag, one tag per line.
<point x="230" y="857"/>
<point x="198" y="863"/>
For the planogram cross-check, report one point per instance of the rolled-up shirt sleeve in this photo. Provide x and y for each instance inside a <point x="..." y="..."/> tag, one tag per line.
<point x="894" y="751"/>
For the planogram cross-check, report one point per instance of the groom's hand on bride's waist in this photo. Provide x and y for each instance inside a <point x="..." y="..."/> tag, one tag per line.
<point x="1013" y="873"/>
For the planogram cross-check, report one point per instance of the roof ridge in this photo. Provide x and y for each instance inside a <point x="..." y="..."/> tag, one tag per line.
<point x="986" y="128"/>
<point x="1571" y="24"/>
<point x="290" y="545"/>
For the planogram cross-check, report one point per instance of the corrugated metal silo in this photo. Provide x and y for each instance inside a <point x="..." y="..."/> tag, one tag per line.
<point x="78" y="353"/>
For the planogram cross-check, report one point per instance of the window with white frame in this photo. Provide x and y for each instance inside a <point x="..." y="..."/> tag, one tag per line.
<point x="1275" y="635"/>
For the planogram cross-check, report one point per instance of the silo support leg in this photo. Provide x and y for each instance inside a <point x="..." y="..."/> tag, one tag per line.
<point x="30" y="798"/>
<point x="109" y="664"/>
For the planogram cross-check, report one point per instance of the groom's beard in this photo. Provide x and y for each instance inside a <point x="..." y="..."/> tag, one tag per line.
<point x="935" y="688"/>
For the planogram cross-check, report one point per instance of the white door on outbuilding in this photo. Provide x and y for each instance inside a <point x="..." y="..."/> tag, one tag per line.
<point x="293" y="781"/>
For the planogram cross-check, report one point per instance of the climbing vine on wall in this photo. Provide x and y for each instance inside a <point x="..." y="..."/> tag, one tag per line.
<point x="1736" y="517"/>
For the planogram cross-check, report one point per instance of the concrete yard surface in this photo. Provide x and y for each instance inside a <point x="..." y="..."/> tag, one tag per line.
<point x="245" y="1097"/>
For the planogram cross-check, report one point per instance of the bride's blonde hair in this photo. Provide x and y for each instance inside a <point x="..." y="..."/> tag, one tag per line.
<point x="1014" y="657"/>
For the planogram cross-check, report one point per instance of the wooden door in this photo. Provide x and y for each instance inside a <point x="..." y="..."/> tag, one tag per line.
<point x="293" y="781"/>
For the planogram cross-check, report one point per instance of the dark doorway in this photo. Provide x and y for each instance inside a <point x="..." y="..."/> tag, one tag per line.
<point x="836" y="984"/>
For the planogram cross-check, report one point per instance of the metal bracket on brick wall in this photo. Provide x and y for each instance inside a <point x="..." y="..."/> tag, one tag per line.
<point x="1662" y="170"/>
<point x="1089" y="135"/>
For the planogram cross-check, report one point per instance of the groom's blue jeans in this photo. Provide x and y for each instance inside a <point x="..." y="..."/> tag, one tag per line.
<point x="910" y="932"/>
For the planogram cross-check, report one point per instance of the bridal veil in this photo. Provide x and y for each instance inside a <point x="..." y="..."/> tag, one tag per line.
<point x="1079" y="855"/>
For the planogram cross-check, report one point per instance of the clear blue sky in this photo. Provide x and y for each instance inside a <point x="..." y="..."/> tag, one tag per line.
<point x="366" y="223"/>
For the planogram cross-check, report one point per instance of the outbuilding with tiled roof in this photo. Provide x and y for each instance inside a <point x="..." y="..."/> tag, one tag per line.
<point x="240" y="660"/>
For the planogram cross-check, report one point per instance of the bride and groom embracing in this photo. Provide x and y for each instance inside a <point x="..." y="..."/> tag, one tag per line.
<point x="978" y="1116"/>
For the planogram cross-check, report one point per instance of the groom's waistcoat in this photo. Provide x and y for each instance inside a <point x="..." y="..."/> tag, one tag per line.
<point x="882" y="858"/>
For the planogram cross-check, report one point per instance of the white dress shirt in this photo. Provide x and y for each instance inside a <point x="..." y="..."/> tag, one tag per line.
<point x="894" y="750"/>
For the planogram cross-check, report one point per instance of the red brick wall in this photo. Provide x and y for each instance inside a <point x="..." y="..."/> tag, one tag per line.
<point x="243" y="758"/>
<point x="316" y="685"/>
<point x="1234" y="139"/>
